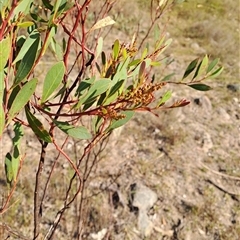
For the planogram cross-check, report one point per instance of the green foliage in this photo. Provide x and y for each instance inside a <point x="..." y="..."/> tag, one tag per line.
<point x="79" y="132"/>
<point x="21" y="99"/>
<point x="109" y="88"/>
<point x="52" y="80"/>
<point x="12" y="160"/>
<point x="5" y="48"/>
<point x="37" y="127"/>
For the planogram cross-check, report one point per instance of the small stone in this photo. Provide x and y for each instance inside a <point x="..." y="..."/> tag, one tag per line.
<point x="207" y="143"/>
<point x="100" y="235"/>
<point x="234" y="87"/>
<point x="144" y="197"/>
<point x="223" y="114"/>
<point x="145" y="225"/>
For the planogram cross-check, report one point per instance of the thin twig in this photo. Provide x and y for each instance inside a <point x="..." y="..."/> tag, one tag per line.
<point x="220" y="174"/>
<point x="37" y="209"/>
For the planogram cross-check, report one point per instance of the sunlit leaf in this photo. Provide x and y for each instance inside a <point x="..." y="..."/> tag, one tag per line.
<point x="5" y="48"/>
<point x="99" y="47"/>
<point x="2" y="119"/>
<point x="212" y="65"/>
<point x="27" y="62"/>
<point x="200" y="87"/>
<point x="79" y="132"/>
<point x="52" y="80"/>
<point x="27" y="43"/>
<point x="201" y="67"/>
<point x="115" y="91"/>
<point x="37" y="127"/>
<point x="56" y="7"/>
<point x="118" y="123"/>
<point x="21" y="99"/>
<point x="141" y="69"/>
<point x="1" y="85"/>
<point x="25" y="24"/>
<point x="23" y="7"/>
<point x="168" y="77"/>
<point x="18" y="131"/>
<point x="167" y="95"/>
<point x="8" y="168"/>
<point x="15" y="162"/>
<point x="162" y="49"/>
<point x="216" y="73"/>
<point x="155" y="64"/>
<point x="99" y="87"/>
<point x="116" y="49"/>
<point x="50" y="39"/>
<point x="161" y="2"/>
<point x="83" y="86"/>
<point x="3" y="5"/>
<point x="135" y="62"/>
<point x="102" y="23"/>
<point x="144" y="54"/>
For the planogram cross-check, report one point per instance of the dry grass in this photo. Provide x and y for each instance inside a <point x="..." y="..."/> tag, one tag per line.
<point x="162" y="153"/>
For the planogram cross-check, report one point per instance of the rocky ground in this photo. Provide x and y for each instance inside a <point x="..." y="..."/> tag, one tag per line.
<point x="176" y="177"/>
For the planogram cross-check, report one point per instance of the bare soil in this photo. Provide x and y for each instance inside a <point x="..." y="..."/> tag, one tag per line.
<point x="188" y="156"/>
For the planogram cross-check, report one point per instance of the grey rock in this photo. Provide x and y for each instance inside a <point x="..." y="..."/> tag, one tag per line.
<point x="145" y="225"/>
<point x="234" y="87"/>
<point x="144" y="199"/>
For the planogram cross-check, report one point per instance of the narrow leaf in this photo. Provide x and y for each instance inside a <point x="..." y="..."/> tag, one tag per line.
<point x="55" y="8"/>
<point x="103" y="57"/>
<point x="84" y="86"/>
<point x="99" y="46"/>
<point x="164" y="98"/>
<point x="118" y="123"/>
<point x="8" y="168"/>
<point x="141" y="70"/>
<point x="201" y="67"/>
<point x="27" y="62"/>
<point x="99" y="87"/>
<point x="2" y="85"/>
<point x="50" y="39"/>
<point x="216" y="73"/>
<point x="79" y="132"/>
<point x="168" y="77"/>
<point x="52" y="80"/>
<point x="2" y="119"/>
<point x="23" y="7"/>
<point x="102" y="23"/>
<point x="116" y="49"/>
<point x="200" y="87"/>
<point x="47" y="4"/>
<point x="3" y="5"/>
<point x="15" y="162"/>
<point x="190" y="68"/>
<point x="25" y="47"/>
<point x="144" y="54"/>
<point x="18" y="131"/>
<point x="212" y="65"/>
<point x="162" y="49"/>
<point x="5" y="48"/>
<point x="37" y="127"/>
<point x="22" y="98"/>
<point x="25" y="24"/>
